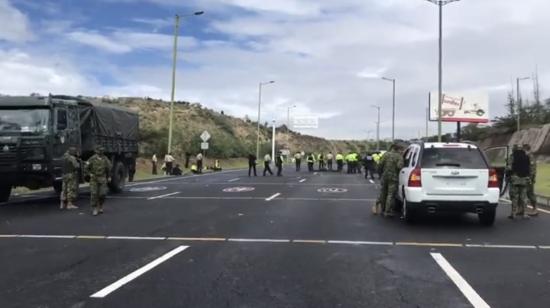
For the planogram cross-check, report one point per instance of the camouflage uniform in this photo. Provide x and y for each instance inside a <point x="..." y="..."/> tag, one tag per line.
<point x="390" y="166"/>
<point x="518" y="187"/>
<point x="98" y="167"/>
<point x="531" y="187"/>
<point x="70" y="180"/>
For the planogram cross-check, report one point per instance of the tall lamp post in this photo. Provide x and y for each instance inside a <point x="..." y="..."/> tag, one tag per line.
<point x="377" y="128"/>
<point x="176" y="32"/>
<point x="393" y="108"/>
<point x="440" y="3"/>
<point x="519" y="101"/>
<point x="259" y="112"/>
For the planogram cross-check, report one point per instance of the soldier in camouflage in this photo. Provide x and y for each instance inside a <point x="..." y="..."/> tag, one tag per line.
<point x="70" y="180"/>
<point x="390" y="166"/>
<point x="533" y="176"/>
<point x="98" y="168"/>
<point x="520" y="178"/>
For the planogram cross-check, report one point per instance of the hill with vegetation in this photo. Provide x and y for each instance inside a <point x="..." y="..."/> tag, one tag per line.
<point x="232" y="137"/>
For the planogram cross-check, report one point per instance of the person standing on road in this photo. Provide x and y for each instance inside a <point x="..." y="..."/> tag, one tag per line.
<point x="330" y="158"/>
<point x="310" y="162"/>
<point x="390" y="166"/>
<point x="199" y="162"/>
<point x="368" y="162"/>
<point x="70" y="180"/>
<point x="298" y="161"/>
<point x="252" y="164"/>
<point x="99" y="168"/>
<point x="339" y="162"/>
<point x="267" y="164"/>
<point x="154" y="161"/>
<point x="279" y="163"/>
<point x="520" y="179"/>
<point x="321" y="160"/>
<point x="533" y="177"/>
<point x="169" y="162"/>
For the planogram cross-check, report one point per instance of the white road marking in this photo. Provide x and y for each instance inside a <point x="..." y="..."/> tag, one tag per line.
<point x="273" y="197"/>
<point x="314" y="173"/>
<point x="135" y="274"/>
<point x="150" y="238"/>
<point x="258" y="240"/>
<point x="302" y="180"/>
<point x="47" y="236"/>
<point x="181" y="178"/>
<point x="361" y="243"/>
<point x="234" y="180"/>
<point x="163" y="196"/>
<point x="371" y="181"/>
<point x="511" y="246"/>
<point x="544" y="247"/>
<point x="462" y="284"/>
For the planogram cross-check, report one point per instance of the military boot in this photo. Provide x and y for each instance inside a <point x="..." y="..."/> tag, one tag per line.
<point x="100" y="210"/>
<point x="95" y="211"/>
<point x="62" y="204"/>
<point x="71" y="206"/>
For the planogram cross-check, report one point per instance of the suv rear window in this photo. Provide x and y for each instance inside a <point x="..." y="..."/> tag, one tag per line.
<point x="460" y="158"/>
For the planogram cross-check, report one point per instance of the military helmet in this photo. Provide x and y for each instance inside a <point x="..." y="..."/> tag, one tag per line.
<point x="99" y="149"/>
<point x="72" y="150"/>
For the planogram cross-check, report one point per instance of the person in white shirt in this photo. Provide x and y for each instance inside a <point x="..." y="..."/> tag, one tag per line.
<point x="154" y="161"/>
<point x="267" y="162"/>
<point x="199" y="162"/>
<point x="169" y="162"/>
<point x="298" y="161"/>
<point x="330" y="157"/>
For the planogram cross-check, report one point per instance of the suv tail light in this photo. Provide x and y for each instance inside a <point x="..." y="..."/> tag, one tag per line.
<point x="493" y="179"/>
<point x="415" y="179"/>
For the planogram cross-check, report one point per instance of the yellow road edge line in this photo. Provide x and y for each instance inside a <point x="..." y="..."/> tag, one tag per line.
<point x="91" y="237"/>
<point x="309" y="241"/>
<point x="207" y="239"/>
<point x="429" y="244"/>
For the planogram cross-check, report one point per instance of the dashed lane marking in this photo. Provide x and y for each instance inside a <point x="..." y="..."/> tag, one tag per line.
<point x="273" y="197"/>
<point x="247" y="198"/>
<point x="280" y="240"/>
<point x="234" y="180"/>
<point x="135" y="274"/>
<point x="460" y="282"/>
<point x="302" y="180"/>
<point x="181" y="178"/>
<point x="163" y="196"/>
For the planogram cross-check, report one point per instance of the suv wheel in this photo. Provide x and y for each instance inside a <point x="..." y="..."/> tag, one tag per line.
<point x="487" y="218"/>
<point x="408" y="214"/>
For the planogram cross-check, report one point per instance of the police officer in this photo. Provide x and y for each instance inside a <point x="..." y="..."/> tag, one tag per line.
<point x="310" y="162"/>
<point x="70" y="180"/>
<point x="339" y="162"/>
<point x="520" y="179"/>
<point x="370" y="165"/>
<point x="252" y="164"/>
<point x="533" y="177"/>
<point x="321" y="159"/>
<point x="279" y="164"/>
<point x="99" y="168"/>
<point x="390" y="166"/>
<point x="298" y="161"/>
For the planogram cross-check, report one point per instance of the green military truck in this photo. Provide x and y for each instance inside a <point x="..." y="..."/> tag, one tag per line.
<point x="36" y="131"/>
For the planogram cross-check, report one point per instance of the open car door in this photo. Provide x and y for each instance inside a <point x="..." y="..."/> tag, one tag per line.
<point x="498" y="159"/>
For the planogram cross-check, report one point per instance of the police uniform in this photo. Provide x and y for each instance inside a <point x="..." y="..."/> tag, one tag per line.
<point x="339" y="162"/>
<point x="70" y="180"/>
<point x="99" y="168"/>
<point x="298" y="161"/>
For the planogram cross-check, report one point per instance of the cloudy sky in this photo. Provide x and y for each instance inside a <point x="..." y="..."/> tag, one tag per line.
<point x="325" y="55"/>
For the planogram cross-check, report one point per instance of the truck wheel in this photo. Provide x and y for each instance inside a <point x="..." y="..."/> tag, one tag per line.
<point x="409" y="214"/>
<point x="487" y="218"/>
<point x="58" y="186"/>
<point x="118" y="178"/>
<point x="5" y="192"/>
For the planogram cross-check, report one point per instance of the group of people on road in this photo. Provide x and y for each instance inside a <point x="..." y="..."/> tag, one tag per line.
<point x="252" y="162"/>
<point x="521" y="175"/>
<point x="170" y="167"/>
<point x="97" y="170"/>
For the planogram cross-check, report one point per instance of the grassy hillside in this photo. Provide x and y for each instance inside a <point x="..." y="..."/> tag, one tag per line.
<point x="231" y="136"/>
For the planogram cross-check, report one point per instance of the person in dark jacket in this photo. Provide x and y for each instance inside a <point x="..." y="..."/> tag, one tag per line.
<point x="252" y="164"/>
<point x="370" y="166"/>
<point x="520" y="178"/>
<point x="279" y="164"/>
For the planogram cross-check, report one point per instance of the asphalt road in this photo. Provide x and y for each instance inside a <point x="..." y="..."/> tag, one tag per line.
<point x="227" y="240"/>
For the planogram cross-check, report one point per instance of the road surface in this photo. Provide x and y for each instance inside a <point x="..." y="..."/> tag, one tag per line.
<point x="229" y="240"/>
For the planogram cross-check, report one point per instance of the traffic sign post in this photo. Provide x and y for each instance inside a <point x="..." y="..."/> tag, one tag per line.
<point x="204" y="146"/>
<point x="205" y="136"/>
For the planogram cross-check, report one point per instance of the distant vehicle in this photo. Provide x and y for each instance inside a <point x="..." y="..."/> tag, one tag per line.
<point x="448" y="177"/>
<point x="36" y="131"/>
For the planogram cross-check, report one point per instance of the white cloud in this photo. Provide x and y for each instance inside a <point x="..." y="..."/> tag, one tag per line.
<point x="15" y="25"/>
<point x="99" y="41"/>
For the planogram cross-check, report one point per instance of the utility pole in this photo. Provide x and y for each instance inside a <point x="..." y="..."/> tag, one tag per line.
<point x="259" y="112"/>
<point x="427" y="122"/>
<point x="393" y="108"/>
<point x="273" y="143"/>
<point x="377" y="128"/>
<point x="174" y="61"/>
<point x="519" y="100"/>
<point x="440" y="3"/>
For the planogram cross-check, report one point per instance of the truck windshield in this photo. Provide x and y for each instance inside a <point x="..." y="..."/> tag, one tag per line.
<point x="24" y="120"/>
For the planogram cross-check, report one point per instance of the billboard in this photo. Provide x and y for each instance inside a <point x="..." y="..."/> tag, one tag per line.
<point x="461" y="107"/>
<point x="301" y="122"/>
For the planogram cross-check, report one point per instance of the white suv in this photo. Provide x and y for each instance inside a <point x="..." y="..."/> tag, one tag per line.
<point x="448" y="177"/>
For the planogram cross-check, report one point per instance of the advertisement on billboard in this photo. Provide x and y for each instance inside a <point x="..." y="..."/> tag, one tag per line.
<point x="305" y="122"/>
<point x="461" y="107"/>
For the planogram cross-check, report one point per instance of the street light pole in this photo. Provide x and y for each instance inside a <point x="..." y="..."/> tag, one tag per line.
<point x="377" y="128"/>
<point x="174" y="61"/>
<point x="273" y="142"/>
<point x="440" y="3"/>
<point x="519" y="101"/>
<point x="393" y="108"/>
<point x="259" y="112"/>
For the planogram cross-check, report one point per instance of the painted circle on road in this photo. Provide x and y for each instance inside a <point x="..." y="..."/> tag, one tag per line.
<point x="332" y="190"/>
<point x="147" y="188"/>
<point x="238" y="189"/>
